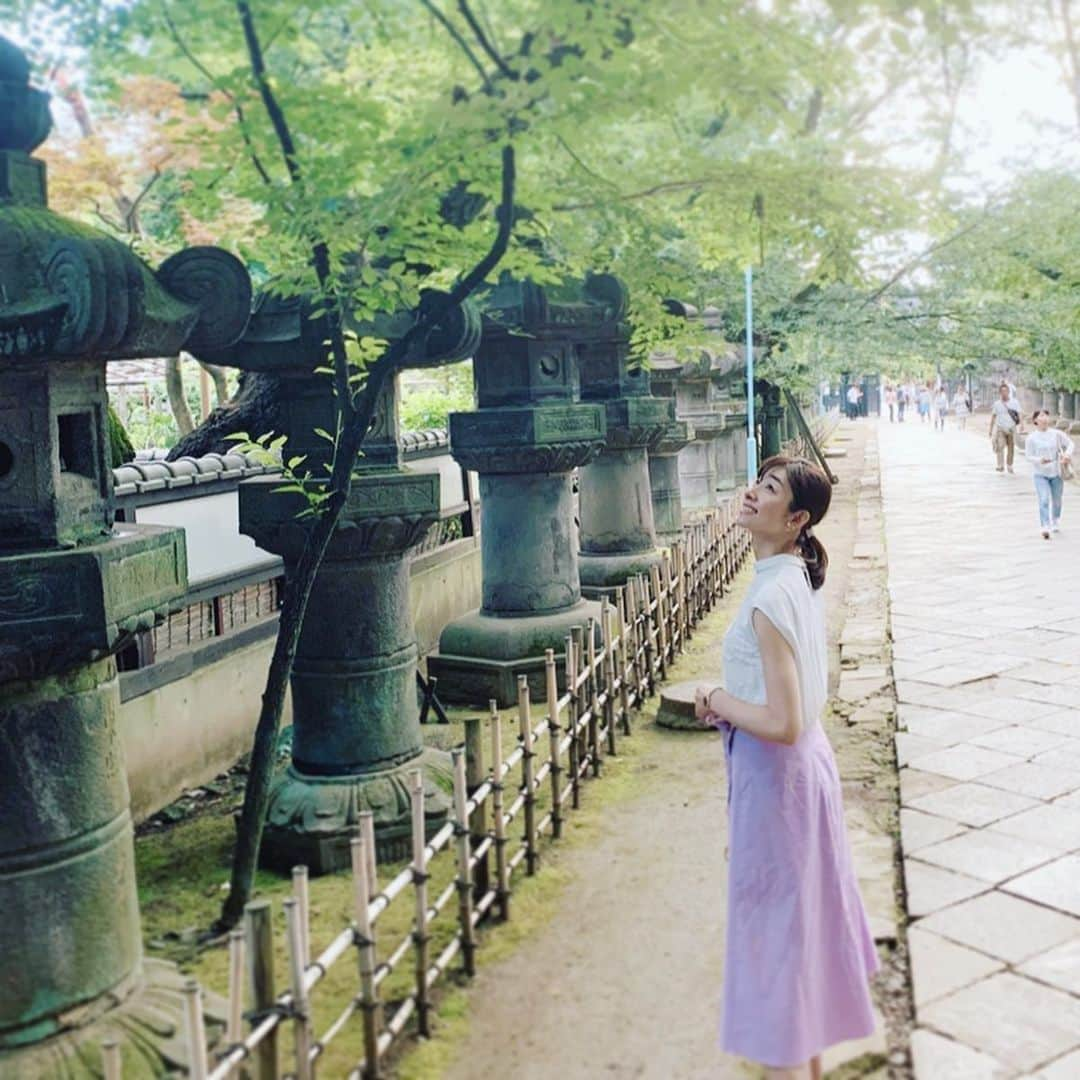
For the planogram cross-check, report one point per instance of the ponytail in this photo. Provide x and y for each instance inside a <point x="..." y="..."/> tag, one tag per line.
<point x="815" y="556"/>
<point x="811" y="490"/>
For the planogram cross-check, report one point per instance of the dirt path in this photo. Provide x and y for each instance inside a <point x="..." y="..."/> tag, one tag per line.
<point x="624" y="980"/>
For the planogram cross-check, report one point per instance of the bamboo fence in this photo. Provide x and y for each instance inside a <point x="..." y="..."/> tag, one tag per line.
<point x="610" y="669"/>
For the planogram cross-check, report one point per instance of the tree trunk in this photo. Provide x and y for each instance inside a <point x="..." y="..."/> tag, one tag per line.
<point x="174" y="387"/>
<point x="254" y="409"/>
<point x="221" y="385"/>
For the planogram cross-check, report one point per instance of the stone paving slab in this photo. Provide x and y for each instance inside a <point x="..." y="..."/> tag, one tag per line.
<point x="988" y="741"/>
<point x="1018" y="1021"/>
<point x="945" y="1059"/>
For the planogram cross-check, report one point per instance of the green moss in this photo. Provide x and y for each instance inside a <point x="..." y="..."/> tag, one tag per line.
<point x="121" y="450"/>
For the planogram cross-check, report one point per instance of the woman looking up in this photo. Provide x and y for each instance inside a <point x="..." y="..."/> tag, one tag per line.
<point x="799" y="951"/>
<point x="1047" y="449"/>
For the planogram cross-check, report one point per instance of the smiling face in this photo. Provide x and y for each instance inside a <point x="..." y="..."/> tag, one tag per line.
<point x="766" y="510"/>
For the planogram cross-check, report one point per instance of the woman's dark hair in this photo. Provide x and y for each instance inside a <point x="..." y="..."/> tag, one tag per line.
<point x="1037" y="413"/>
<point x="811" y="490"/>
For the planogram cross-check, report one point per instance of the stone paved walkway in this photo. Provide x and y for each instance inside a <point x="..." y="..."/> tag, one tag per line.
<point x="987" y="665"/>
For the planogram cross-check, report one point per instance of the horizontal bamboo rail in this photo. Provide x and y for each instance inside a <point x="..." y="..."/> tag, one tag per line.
<point x="609" y="671"/>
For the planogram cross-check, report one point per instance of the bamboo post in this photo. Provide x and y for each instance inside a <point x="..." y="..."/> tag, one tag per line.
<point x="624" y="676"/>
<point x="647" y="634"/>
<point x="661" y="621"/>
<point x="367" y="831"/>
<point x="528" y="773"/>
<point x="680" y="577"/>
<point x="258" y="930"/>
<point x="303" y="911"/>
<point x="365" y="945"/>
<point x="198" y="1066"/>
<point x="464" y="881"/>
<point x="420" y="880"/>
<point x="502" y="870"/>
<point x="594" y="698"/>
<point x="234" y="1028"/>
<point x="551" y="680"/>
<point x="301" y="1020"/>
<point x="582" y="697"/>
<point x="607" y="658"/>
<point x="632" y="627"/>
<point x="474" y="777"/>
<point x="111" y="1062"/>
<point x="571" y="724"/>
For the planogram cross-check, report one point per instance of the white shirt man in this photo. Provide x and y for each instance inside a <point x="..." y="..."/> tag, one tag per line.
<point x="1004" y="414"/>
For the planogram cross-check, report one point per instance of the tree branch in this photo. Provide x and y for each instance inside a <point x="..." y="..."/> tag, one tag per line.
<point x="485" y="44"/>
<point x="452" y="30"/>
<point x="207" y="74"/>
<point x="645" y="193"/>
<point x="131" y="216"/>
<point x="299" y="583"/>
<point x="912" y="263"/>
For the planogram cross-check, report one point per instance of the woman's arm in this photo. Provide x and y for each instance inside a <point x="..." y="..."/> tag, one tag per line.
<point x="1032" y="453"/>
<point x="1067" y="447"/>
<point x="780" y="718"/>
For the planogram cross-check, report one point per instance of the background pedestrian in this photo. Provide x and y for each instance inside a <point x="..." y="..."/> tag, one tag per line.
<point x="941" y="408"/>
<point x="961" y="407"/>
<point x="924" y="403"/>
<point x="1050" y="453"/>
<point x="1004" y="420"/>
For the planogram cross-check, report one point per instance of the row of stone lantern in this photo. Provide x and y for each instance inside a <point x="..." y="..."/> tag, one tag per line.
<point x="555" y="392"/>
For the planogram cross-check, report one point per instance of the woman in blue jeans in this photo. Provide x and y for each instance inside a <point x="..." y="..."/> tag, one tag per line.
<point x="1046" y="448"/>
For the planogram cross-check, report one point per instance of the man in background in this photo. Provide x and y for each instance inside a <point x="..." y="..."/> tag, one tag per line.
<point x="1004" y="420"/>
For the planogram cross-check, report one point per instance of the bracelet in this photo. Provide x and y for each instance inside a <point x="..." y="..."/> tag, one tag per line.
<point x="708" y="698"/>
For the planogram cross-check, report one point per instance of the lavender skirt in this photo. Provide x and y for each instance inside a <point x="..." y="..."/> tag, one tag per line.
<point x="799" y="949"/>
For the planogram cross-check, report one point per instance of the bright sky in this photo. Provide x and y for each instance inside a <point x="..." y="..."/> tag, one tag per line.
<point x="1019" y="114"/>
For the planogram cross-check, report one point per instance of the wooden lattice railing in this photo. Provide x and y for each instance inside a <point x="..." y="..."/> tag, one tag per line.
<point x="610" y="669"/>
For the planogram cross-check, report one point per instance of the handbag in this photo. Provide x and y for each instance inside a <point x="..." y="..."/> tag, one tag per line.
<point x="1064" y="463"/>
<point x="1015" y="416"/>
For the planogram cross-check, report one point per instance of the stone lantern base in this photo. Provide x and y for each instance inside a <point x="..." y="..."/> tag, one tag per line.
<point x="481" y="656"/>
<point x="311" y="819"/>
<point x="602" y="574"/>
<point x="145" y="1017"/>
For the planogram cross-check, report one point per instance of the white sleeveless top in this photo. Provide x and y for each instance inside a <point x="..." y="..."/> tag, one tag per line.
<point x="781" y="591"/>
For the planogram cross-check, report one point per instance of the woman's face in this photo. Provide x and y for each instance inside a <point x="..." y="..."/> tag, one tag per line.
<point x="1042" y="421"/>
<point x="764" y="511"/>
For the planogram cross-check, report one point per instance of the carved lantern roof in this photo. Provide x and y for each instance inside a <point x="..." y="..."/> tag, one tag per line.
<point x="532" y="333"/>
<point x="72" y="298"/>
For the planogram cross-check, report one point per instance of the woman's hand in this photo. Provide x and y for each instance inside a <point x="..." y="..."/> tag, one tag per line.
<point x="701" y="704"/>
<point x="1046" y="461"/>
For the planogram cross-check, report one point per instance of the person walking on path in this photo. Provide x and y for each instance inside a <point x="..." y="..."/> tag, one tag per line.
<point x="1050" y="453"/>
<point x="1004" y="420"/>
<point x="890" y="402"/>
<point x="901" y="403"/>
<point x="924" y="403"/>
<point x="799" y="952"/>
<point x="853" y="396"/>
<point x="941" y="408"/>
<point x="961" y="407"/>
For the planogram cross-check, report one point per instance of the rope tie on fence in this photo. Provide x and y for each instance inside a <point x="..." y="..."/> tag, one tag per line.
<point x="285" y="1010"/>
<point x="227" y="1051"/>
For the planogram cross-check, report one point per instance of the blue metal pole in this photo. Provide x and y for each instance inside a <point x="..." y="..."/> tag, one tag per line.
<point x="751" y="438"/>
